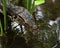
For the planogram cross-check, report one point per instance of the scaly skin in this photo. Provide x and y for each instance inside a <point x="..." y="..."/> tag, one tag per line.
<point x="21" y="16"/>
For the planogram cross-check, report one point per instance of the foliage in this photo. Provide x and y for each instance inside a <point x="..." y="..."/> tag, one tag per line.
<point x="1" y="30"/>
<point x="4" y="9"/>
<point x="46" y="35"/>
<point x="38" y="2"/>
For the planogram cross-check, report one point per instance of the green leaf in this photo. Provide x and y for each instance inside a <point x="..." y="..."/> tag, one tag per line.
<point x="1" y="30"/>
<point x="4" y="9"/>
<point x="38" y="2"/>
<point x="29" y="5"/>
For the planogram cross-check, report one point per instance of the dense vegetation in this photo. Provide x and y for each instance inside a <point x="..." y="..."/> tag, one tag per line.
<point x="46" y="17"/>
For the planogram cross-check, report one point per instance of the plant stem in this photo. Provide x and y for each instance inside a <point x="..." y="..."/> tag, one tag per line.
<point x="4" y="9"/>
